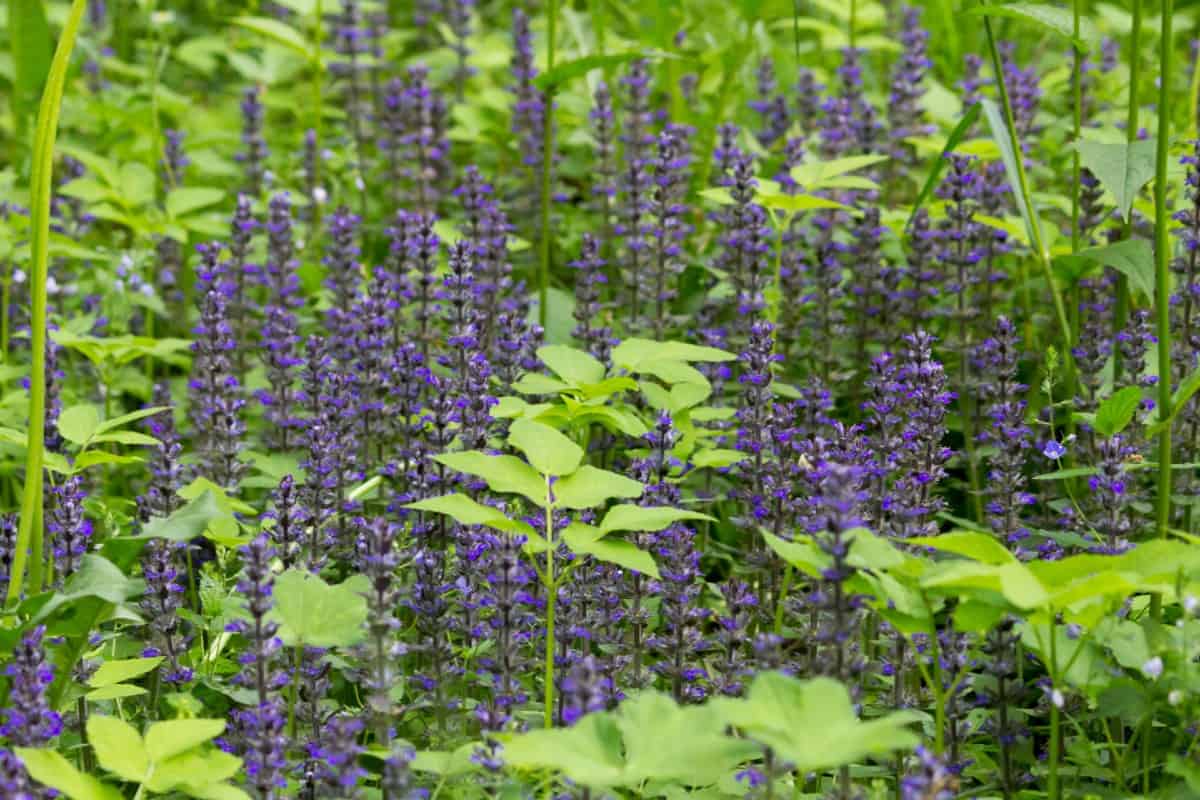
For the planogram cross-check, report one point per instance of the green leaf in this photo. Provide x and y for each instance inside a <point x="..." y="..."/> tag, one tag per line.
<point x="1179" y="398"/>
<point x="133" y="416"/>
<point x="187" y="199"/>
<point x="118" y="748"/>
<point x="589" y="752"/>
<point x="197" y="767"/>
<point x="170" y="738"/>
<point x="565" y="71"/>
<point x="197" y="488"/>
<point x="1116" y="412"/>
<point x="717" y="458"/>
<point x="96" y="577"/>
<point x="960" y="130"/>
<point x="78" y="424"/>
<point x="802" y="555"/>
<point x="50" y="768"/>
<point x="586" y="540"/>
<point x="137" y="184"/>
<point x="549" y="451"/>
<point x="683" y="744"/>
<point x="465" y="511"/>
<point x="1122" y="167"/>
<point x="797" y="203"/>
<point x="503" y="474"/>
<point x="278" y="32"/>
<point x="633" y="353"/>
<point x="999" y="128"/>
<point x="981" y="547"/>
<point x="813" y="724"/>
<point x="29" y="37"/>
<point x="119" y="671"/>
<point x="574" y="366"/>
<point x="646" y="518"/>
<point x="115" y="692"/>
<point x="126" y="437"/>
<point x="1052" y="18"/>
<point x="1132" y="257"/>
<point x="813" y="175"/>
<point x="185" y="524"/>
<point x="536" y="383"/>
<point x="590" y="486"/>
<point x="313" y="613"/>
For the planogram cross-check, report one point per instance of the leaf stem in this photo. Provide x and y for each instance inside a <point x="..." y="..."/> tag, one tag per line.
<point x="547" y="163"/>
<point x="551" y="602"/>
<point x="1162" y="280"/>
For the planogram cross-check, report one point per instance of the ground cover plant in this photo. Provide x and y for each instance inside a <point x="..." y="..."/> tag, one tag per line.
<point x="452" y="399"/>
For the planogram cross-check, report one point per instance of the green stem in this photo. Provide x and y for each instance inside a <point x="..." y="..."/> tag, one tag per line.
<point x="547" y="164"/>
<point x="28" y="532"/>
<point x="1162" y="281"/>
<point x="1131" y="134"/>
<point x="1077" y="104"/>
<point x="1035" y="223"/>
<point x="294" y="694"/>
<point x="788" y="575"/>
<point x="853" y="39"/>
<point x="1055" y="791"/>
<point x="551" y="602"/>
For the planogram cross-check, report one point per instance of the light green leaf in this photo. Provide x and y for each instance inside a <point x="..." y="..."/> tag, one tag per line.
<point x="802" y="555"/>
<point x="590" y="486"/>
<point x="548" y="450"/>
<point x="633" y="353"/>
<point x="978" y="546"/>
<point x="1179" y="398"/>
<point x="1123" y="168"/>
<point x="190" y="521"/>
<point x="1051" y="18"/>
<point x="111" y="672"/>
<point x="503" y="474"/>
<point x="78" y="424"/>
<point x="187" y="199"/>
<point x="313" y="613"/>
<point x="50" y="768"/>
<point x="115" y="692"/>
<point x="999" y="128"/>
<point x="589" y="752"/>
<point x="170" y="738"/>
<point x="685" y="744"/>
<point x="796" y="203"/>
<point x="565" y="71"/>
<point x="132" y="438"/>
<point x="29" y="38"/>
<point x="133" y="416"/>
<point x="536" y="383"/>
<point x="813" y="175"/>
<point x="586" y="540"/>
<point x="1134" y="258"/>
<point x="646" y="518"/>
<point x="952" y="141"/>
<point x="118" y="747"/>
<point x="465" y="511"/>
<point x="278" y="32"/>
<point x="574" y="366"/>
<point x="137" y="184"/>
<point x="717" y="458"/>
<point x="1116" y="412"/>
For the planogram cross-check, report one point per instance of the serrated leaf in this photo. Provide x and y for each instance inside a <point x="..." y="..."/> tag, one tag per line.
<point x="548" y="450"/>
<point x="1116" y="412"/>
<point x="1122" y="167"/>
<point x="313" y="613"/>
<point x="118" y="748"/>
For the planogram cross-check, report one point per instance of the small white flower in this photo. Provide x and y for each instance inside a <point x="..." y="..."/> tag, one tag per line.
<point x="320" y="195"/>
<point x="18" y="276"/>
<point x="358" y="183"/>
<point x="1175" y="697"/>
<point x="1057" y="698"/>
<point x="1153" y="668"/>
<point x="1191" y="604"/>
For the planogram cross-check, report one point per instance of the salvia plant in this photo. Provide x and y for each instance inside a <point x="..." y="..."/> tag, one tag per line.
<point x="593" y="400"/>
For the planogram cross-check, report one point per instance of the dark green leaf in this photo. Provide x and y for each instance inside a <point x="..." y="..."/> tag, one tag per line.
<point x="1116" y="412"/>
<point x="29" y="37"/>
<point x="1052" y="18"/>
<point x="1123" y="168"/>
<point x="187" y="523"/>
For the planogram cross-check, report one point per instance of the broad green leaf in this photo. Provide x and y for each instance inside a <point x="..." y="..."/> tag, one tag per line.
<point x="133" y="416"/>
<point x="978" y="546"/>
<point x="50" y="768"/>
<point x="96" y="577"/>
<point x="868" y="551"/>
<point x="111" y="672"/>
<point x="170" y="738"/>
<point x="802" y="555"/>
<point x="115" y="692"/>
<point x="552" y="79"/>
<point x="548" y="450"/>
<point x="217" y="791"/>
<point x="574" y="366"/>
<point x="1123" y="168"/>
<point x="686" y="744"/>
<point x="132" y="438"/>
<point x="78" y="424"/>
<point x="812" y="723"/>
<point x="465" y="511"/>
<point x="589" y="752"/>
<point x="197" y="488"/>
<point x="198" y="766"/>
<point x="1134" y="258"/>
<point x="118" y="748"/>
<point x="646" y="518"/>
<point x="633" y="353"/>
<point x="313" y="613"/>
<point x="717" y="458"/>
<point x="797" y="203"/>
<point x="137" y="184"/>
<point x="187" y="199"/>
<point x="952" y="141"/>
<point x="1179" y="398"/>
<point x="185" y="524"/>
<point x="1052" y="18"/>
<point x="589" y="487"/>
<point x="586" y="540"/>
<point x="504" y="474"/>
<point x="278" y="32"/>
<point x="814" y="174"/>
<point x="536" y="383"/>
<point x="1116" y="412"/>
